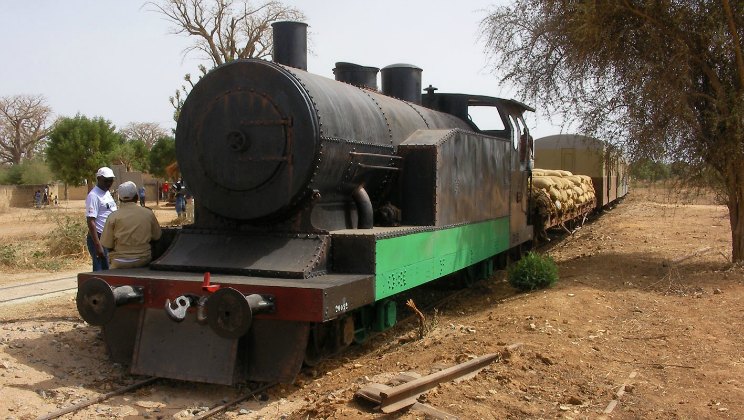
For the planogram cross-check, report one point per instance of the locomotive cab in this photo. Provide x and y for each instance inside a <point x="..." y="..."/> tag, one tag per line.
<point x="500" y="118"/>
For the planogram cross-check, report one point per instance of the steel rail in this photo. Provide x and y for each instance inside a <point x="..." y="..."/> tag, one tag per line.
<point x="17" y="285"/>
<point x="39" y="294"/>
<point x="220" y="408"/>
<point x="97" y="399"/>
<point x="405" y="395"/>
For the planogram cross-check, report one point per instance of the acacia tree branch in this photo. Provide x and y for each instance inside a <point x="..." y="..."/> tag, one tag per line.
<point x="641" y="14"/>
<point x="224" y="32"/>
<point x="215" y="40"/>
<point x="736" y="43"/>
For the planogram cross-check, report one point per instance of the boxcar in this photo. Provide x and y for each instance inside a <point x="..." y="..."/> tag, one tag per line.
<point x="585" y="155"/>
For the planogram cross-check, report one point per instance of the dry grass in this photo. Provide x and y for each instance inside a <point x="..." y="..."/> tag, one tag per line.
<point x="673" y="192"/>
<point x="49" y="239"/>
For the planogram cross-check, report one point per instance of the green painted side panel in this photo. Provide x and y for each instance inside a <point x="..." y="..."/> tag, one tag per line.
<point x="408" y="261"/>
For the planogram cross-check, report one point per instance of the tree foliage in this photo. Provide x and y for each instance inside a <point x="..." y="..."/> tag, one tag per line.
<point x="180" y="96"/>
<point x="133" y="154"/>
<point x="663" y="79"/>
<point x="147" y="132"/>
<point x="11" y="174"/>
<point x="79" y="146"/>
<point x="23" y="126"/>
<point x="648" y="170"/>
<point x="35" y="171"/>
<point x="163" y="153"/>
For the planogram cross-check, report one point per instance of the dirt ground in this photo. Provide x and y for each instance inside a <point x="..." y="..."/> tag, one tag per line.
<point x="647" y="299"/>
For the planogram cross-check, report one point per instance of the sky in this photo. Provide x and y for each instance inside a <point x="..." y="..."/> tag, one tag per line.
<point x="119" y="59"/>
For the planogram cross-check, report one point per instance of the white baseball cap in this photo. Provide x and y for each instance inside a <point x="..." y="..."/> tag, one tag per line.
<point x="105" y="172"/>
<point x="127" y="190"/>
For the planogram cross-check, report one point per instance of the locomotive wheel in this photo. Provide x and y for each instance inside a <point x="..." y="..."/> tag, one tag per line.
<point x="317" y="345"/>
<point x="329" y="338"/>
<point x="516" y="253"/>
<point x="477" y="272"/>
<point x="499" y="261"/>
<point x="470" y="275"/>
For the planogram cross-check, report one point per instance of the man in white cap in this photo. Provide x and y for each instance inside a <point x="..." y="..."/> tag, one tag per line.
<point x="98" y="205"/>
<point x="129" y="231"/>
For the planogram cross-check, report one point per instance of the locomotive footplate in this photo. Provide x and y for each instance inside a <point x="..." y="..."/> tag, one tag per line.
<point x="315" y="299"/>
<point x="192" y="348"/>
<point x="248" y="254"/>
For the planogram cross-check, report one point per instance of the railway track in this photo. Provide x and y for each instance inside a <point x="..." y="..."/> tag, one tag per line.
<point x="258" y="388"/>
<point x="17" y="292"/>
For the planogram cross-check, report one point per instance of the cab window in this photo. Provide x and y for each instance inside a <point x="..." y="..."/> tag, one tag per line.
<point x="487" y="119"/>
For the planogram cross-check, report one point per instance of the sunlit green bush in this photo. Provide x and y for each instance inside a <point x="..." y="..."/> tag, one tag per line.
<point x="533" y="271"/>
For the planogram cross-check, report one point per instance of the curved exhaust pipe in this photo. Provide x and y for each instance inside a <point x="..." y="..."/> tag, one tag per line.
<point x="365" y="213"/>
<point x="97" y="300"/>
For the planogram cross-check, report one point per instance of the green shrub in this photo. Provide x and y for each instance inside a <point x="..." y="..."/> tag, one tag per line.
<point x="533" y="271"/>
<point x="68" y="237"/>
<point x="35" y="171"/>
<point x="8" y="255"/>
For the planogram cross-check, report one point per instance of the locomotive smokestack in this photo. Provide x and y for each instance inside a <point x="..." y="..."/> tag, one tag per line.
<point x="356" y="75"/>
<point x="290" y="44"/>
<point x="402" y="81"/>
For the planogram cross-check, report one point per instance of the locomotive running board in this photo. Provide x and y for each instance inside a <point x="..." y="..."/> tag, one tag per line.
<point x="249" y="254"/>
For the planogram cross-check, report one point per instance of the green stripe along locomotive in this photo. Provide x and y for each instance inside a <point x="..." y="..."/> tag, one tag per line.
<point x="316" y="201"/>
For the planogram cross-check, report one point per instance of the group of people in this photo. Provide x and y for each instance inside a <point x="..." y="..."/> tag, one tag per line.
<point x="44" y="199"/>
<point x="119" y="236"/>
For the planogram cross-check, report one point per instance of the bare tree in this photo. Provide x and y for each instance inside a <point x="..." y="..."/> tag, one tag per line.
<point x="148" y="132"/>
<point x="665" y="79"/>
<point x="23" y="126"/>
<point x="225" y="30"/>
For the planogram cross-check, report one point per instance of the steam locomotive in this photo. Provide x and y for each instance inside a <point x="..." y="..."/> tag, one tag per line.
<point x="316" y="202"/>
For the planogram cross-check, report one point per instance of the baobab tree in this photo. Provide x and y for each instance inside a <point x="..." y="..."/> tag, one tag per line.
<point x="24" y="125"/>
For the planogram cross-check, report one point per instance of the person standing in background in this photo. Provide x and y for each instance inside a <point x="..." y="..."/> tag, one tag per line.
<point x="141" y="194"/>
<point x="98" y="205"/>
<point x="166" y="187"/>
<point x="180" y="199"/>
